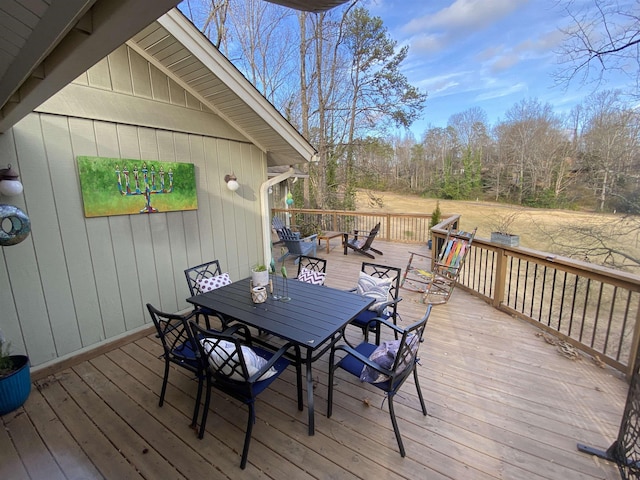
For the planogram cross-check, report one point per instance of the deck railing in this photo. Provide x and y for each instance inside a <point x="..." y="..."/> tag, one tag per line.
<point x="592" y="308"/>
<point x="394" y="227"/>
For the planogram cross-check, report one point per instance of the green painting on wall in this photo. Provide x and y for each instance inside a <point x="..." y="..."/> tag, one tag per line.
<point x="123" y="186"/>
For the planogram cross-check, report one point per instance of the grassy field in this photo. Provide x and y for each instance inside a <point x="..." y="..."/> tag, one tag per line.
<point x="536" y="226"/>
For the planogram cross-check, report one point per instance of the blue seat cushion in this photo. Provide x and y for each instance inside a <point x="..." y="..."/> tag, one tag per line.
<point x="187" y="353"/>
<point x="364" y="317"/>
<point x="241" y="389"/>
<point x="354" y="366"/>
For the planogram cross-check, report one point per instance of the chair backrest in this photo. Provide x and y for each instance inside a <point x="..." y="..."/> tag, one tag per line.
<point x="385" y="271"/>
<point x="454" y="250"/>
<point x="173" y="332"/>
<point x="314" y="264"/>
<point x="372" y="235"/>
<point x="409" y="344"/>
<point x="277" y="224"/>
<point x="317" y="267"/>
<point x="201" y="272"/>
<point x="223" y="354"/>
<point x="292" y="241"/>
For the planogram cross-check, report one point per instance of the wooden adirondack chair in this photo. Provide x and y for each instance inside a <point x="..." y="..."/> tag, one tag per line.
<point x="278" y="225"/>
<point x="437" y="283"/>
<point x="361" y="243"/>
<point x="297" y="246"/>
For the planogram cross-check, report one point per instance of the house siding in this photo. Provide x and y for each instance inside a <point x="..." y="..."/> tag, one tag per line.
<point x="76" y="282"/>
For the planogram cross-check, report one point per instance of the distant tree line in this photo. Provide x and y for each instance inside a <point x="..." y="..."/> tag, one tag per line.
<point x="590" y="158"/>
<point x="336" y="77"/>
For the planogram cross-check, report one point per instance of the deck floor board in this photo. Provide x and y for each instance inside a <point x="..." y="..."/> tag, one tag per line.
<point x="502" y="403"/>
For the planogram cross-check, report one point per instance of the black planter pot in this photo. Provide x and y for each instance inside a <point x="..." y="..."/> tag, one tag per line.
<point x="15" y="387"/>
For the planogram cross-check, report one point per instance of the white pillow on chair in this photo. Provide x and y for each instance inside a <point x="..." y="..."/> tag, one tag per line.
<point x="219" y="351"/>
<point x="211" y="283"/>
<point x="311" y="276"/>
<point x="377" y="288"/>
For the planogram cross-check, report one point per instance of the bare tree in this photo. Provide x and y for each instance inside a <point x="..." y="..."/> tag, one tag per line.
<point x="261" y="44"/>
<point x="608" y="144"/>
<point x="603" y="36"/>
<point x="604" y="241"/>
<point x="471" y="127"/>
<point x="534" y="148"/>
<point x="211" y="16"/>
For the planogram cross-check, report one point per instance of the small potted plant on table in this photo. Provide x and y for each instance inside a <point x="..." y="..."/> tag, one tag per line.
<point x="259" y="275"/>
<point x="15" y="378"/>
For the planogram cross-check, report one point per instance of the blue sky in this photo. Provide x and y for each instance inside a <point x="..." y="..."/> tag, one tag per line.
<point x="481" y="53"/>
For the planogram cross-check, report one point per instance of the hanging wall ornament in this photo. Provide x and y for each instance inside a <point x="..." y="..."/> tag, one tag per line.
<point x="15" y="225"/>
<point x="289" y="199"/>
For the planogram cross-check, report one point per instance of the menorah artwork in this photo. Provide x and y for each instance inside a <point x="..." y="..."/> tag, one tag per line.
<point x="158" y="186"/>
<point x="146" y="185"/>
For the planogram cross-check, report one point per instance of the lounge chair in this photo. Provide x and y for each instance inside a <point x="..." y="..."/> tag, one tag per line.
<point x="361" y="243"/>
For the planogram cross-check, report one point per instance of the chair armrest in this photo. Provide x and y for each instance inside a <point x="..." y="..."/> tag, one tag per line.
<point x="383" y="321"/>
<point x="370" y="363"/>
<point x="245" y="333"/>
<point x="276" y="356"/>
<point x="313" y="237"/>
<point x="357" y="235"/>
<point x="380" y="310"/>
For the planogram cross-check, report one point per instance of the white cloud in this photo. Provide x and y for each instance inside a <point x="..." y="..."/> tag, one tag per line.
<point x="505" y="62"/>
<point x="428" y="43"/>
<point x="502" y="92"/>
<point x="471" y="15"/>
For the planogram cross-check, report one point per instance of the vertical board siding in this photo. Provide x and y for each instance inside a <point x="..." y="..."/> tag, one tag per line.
<point x="77" y="241"/>
<point x="119" y="71"/>
<point x="76" y="281"/>
<point x="49" y="284"/>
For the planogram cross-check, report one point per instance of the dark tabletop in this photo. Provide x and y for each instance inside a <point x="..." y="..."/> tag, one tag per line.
<point x="312" y="316"/>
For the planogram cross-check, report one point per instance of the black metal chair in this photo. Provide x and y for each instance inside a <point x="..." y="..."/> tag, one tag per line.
<point x="201" y="279"/>
<point x="312" y="270"/>
<point x="361" y="243"/>
<point x="385" y="367"/>
<point x="178" y="348"/>
<point x="383" y="283"/>
<point x="241" y="370"/>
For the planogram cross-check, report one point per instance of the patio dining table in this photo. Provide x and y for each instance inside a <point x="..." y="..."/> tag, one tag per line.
<point x="313" y="318"/>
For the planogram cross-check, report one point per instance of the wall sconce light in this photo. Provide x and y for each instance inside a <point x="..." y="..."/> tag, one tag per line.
<point x="232" y="182"/>
<point x="9" y="183"/>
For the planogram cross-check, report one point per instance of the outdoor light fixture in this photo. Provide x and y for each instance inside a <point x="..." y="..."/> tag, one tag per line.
<point x="9" y="183"/>
<point x="232" y="182"/>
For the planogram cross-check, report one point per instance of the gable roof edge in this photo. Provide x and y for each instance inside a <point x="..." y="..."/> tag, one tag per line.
<point x="199" y="46"/>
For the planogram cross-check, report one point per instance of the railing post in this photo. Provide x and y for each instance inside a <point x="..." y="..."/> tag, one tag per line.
<point x="501" y="278"/>
<point x="388" y="229"/>
<point x="634" y="346"/>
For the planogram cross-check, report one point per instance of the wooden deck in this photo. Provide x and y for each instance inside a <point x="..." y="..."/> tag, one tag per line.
<point x="502" y="402"/>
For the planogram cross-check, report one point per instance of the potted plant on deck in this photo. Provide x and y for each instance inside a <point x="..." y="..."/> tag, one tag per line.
<point x="501" y="230"/>
<point x="15" y="378"/>
<point x="436" y="218"/>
